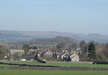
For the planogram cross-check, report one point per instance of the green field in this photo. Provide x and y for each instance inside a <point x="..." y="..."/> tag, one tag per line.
<point x="60" y="64"/>
<point x="64" y="64"/>
<point x="55" y="72"/>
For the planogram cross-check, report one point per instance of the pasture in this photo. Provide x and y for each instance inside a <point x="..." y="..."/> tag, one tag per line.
<point x="65" y="64"/>
<point x="51" y="72"/>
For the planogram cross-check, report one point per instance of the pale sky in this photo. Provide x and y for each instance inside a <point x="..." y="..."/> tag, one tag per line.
<point x="76" y="16"/>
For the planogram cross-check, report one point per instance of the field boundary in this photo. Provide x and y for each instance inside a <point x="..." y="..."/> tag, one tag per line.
<point x="14" y="66"/>
<point x="38" y="67"/>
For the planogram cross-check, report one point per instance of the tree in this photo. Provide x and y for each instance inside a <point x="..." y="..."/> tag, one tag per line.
<point x="105" y="50"/>
<point x="26" y="48"/>
<point x="91" y="51"/>
<point x="83" y="46"/>
<point x="3" y="51"/>
<point x="83" y="55"/>
<point x="34" y="47"/>
<point x="60" y="45"/>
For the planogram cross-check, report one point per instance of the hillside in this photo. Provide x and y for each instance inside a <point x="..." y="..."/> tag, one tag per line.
<point x="17" y="36"/>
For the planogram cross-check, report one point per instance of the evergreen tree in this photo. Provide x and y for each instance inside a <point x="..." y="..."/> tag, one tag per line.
<point x="91" y="51"/>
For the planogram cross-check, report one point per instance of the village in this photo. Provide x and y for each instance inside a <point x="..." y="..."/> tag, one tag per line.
<point x="59" y="49"/>
<point x="66" y="55"/>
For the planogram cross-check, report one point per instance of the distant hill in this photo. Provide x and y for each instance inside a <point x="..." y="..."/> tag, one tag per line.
<point x="53" y="41"/>
<point x="16" y="36"/>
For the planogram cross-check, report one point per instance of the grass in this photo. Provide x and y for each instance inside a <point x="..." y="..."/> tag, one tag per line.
<point x="54" y="72"/>
<point x="50" y="72"/>
<point x="60" y="64"/>
<point x="3" y="65"/>
<point x="65" y="64"/>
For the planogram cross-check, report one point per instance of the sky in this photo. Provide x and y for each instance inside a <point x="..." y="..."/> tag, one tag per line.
<point x="75" y="16"/>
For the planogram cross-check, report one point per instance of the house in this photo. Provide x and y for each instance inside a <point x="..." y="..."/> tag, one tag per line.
<point x="15" y="54"/>
<point x="74" y="57"/>
<point x="16" y="51"/>
<point x="66" y="57"/>
<point x="69" y="56"/>
<point x="46" y="53"/>
<point x="32" y="52"/>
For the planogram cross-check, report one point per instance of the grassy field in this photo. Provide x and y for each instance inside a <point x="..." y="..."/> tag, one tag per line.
<point x="47" y="72"/>
<point x="65" y="64"/>
<point x="54" y="72"/>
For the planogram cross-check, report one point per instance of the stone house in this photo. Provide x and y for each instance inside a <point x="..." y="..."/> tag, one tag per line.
<point x="16" y="54"/>
<point x="72" y="56"/>
<point x="19" y="52"/>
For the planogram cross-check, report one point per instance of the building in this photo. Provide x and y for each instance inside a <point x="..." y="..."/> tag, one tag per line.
<point x="16" y="51"/>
